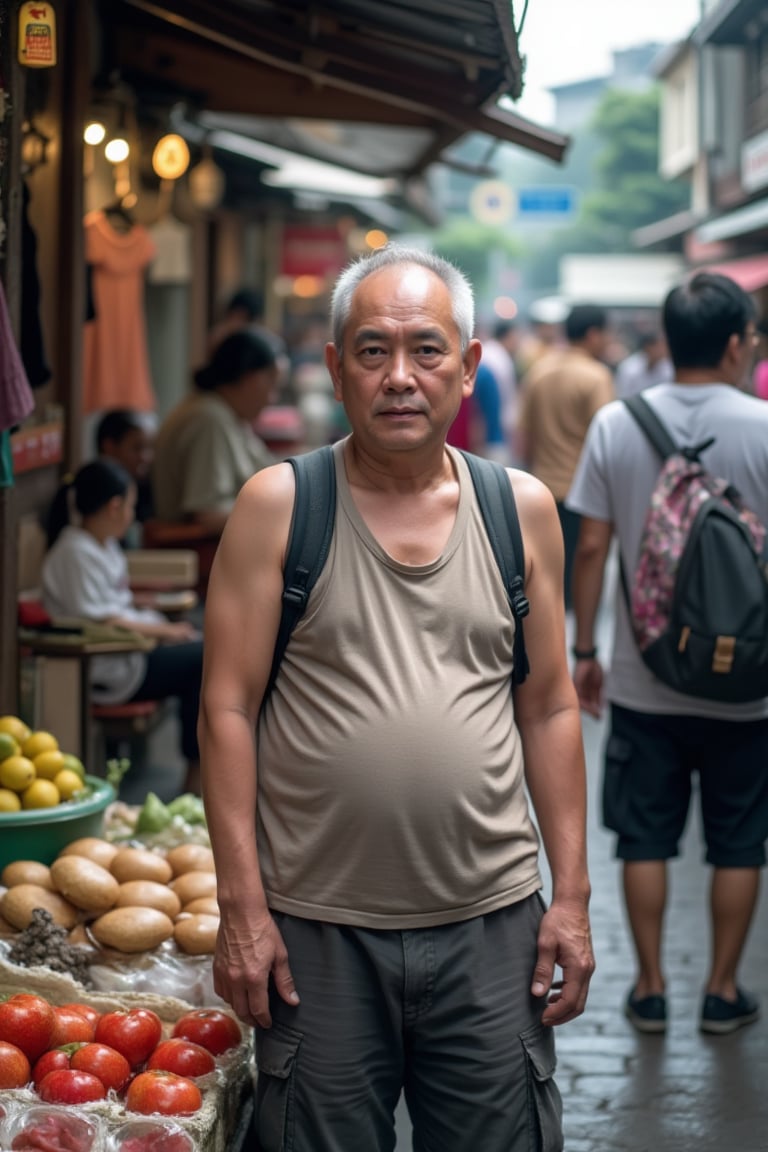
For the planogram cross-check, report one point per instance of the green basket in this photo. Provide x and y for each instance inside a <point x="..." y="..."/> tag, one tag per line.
<point x="41" y="833"/>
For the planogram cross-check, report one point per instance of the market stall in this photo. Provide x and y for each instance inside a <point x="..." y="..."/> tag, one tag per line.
<point x="112" y="1038"/>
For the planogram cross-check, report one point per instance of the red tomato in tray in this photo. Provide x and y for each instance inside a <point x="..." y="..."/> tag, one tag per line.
<point x="15" y="1071"/>
<point x="182" y="1057"/>
<point x="49" y="1062"/>
<point x="28" y="1022"/>
<point x="106" y="1064"/>
<point x="67" y="1086"/>
<point x="210" y="1028"/>
<point x="71" y="1027"/>
<point x="163" y="1092"/>
<point x="91" y="1014"/>
<point x="135" y="1033"/>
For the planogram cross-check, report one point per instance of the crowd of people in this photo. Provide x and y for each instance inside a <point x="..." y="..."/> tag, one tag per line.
<point x="382" y="925"/>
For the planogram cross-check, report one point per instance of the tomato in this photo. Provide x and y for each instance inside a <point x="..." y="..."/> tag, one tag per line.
<point x="217" y="1031"/>
<point x="91" y="1014"/>
<point x="67" y="1086"/>
<point x="49" y="1062"/>
<point x="56" y="1132"/>
<point x="108" y="1065"/>
<point x="135" y="1033"/>
<point x="163" y="1092"/>
<point x="28" y="1022"/>
<point x="71" y="1027"/>
<point x="182" y="1057"/>
<point x="15" y="1071"/>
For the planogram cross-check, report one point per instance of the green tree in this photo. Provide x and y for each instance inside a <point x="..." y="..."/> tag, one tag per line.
<point x="470" y="246"/>
<point x="629" y="192"/>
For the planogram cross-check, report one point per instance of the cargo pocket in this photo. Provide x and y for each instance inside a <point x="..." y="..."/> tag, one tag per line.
<point x="276" y="1050"/>
<point x="618" y="754"/>
<point x="545" y="1107"/>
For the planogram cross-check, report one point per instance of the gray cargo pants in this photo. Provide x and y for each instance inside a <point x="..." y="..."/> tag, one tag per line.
<point x="444" y="1014"/>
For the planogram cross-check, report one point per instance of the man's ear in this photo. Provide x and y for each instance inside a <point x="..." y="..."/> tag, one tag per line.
<point x="333" y="364"/>
<point x="471" y="359"/>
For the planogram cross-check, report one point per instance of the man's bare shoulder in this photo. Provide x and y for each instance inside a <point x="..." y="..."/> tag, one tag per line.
<point x="269" y="491"/>
<point x="531" y="495"/>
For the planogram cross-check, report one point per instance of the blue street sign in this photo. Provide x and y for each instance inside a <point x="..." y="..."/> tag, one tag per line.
<point x="546" y="200"/>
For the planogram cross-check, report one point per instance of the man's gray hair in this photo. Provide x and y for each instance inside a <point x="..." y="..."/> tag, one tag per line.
<point x="396" y="255"/>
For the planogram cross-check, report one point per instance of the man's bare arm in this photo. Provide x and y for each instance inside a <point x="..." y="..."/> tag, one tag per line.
<point x="547" y="715"/>
<point x="241" y="621"/>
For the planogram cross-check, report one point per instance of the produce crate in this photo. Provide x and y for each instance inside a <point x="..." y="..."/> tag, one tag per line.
<point x="227" y="1093"/>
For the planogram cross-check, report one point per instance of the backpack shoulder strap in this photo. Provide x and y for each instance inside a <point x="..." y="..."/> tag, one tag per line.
<point x="314" y="513"/>
<point x="655" y="430"/>
<point x="499" y="511"/>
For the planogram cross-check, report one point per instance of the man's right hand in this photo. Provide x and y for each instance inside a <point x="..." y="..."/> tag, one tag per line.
<point x="588" y="682"/>
<point x="247" y="953"/>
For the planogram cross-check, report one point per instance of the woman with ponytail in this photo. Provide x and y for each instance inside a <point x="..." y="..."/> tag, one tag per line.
<point x="85" y="574"/>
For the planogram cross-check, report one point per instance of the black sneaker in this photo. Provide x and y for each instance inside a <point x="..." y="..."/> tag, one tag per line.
<point x="719" y="1016"/>
<point x="646" y="1013"/>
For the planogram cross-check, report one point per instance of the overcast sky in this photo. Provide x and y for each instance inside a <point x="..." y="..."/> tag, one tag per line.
<point x="567" y="40"/>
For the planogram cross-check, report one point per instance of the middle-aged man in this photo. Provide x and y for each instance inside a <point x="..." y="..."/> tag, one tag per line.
<point x="560" y="394"/>
<point x="381" y="922"/>
<point x="658" y="737"/>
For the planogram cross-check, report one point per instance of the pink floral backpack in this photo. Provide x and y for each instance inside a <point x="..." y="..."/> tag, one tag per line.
<point x="698" y="598"/>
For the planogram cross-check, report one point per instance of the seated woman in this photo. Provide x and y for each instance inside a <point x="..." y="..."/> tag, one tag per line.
<point x="85" y="574"/>
<point x="206" y="447"/>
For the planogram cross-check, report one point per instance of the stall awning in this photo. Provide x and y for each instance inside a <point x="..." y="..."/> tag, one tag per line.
<point x="751" y="273"/>
<point x="434" y="70"/>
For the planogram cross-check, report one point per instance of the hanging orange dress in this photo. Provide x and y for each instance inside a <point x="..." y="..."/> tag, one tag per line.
<point x="116" y="370"/>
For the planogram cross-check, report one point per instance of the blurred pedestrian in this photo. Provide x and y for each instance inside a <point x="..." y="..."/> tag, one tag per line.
<point x="499" y="352"/>
<point x="128" y="436"/>
<point x="206" y="447"/>
<point x="648" y="365"/>
<point x="373" y="841"/>
<point x="559" y="396"/>
<point x="660" y="737"/>
<point x="760" y="375"/>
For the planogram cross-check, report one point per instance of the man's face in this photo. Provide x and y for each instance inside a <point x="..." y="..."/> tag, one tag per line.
<point x="135" y="451"/>
<point x="402" y="375"/>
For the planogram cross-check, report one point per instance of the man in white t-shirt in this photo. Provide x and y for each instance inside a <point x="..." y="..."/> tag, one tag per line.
<point x="659" y="737"/>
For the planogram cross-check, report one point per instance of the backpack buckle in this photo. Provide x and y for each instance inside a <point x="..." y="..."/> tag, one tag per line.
<point x="520" y="605"/>
<point x="725" y="648"/>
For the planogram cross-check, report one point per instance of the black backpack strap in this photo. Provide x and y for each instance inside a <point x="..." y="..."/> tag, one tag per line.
<point x="499" y="511"/>
<point x="651" y="425"/>
<point x="314" y="513"/>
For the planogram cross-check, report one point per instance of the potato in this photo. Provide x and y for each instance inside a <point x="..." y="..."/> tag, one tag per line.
<point x="132" y="929"/>
<point x="190" y="858"/>
<point x="19" y="903"/>
<point x="196" y="935"/>
<point x="206" y="904"/>
<point x="84" y="883"/>
<point x="26" y="872"/>
<point x="93" y="848"/>
<point x="140" y="864"/>
<point x="149" y="894"/>
<point x="192" y="885"/>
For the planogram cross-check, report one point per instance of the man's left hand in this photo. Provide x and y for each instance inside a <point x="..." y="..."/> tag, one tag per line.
<point x="565" y="940"/>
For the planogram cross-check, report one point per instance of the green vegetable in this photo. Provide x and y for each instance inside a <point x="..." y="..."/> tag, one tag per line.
<point x="154" y="815"/>
<point x="189" y="807"/>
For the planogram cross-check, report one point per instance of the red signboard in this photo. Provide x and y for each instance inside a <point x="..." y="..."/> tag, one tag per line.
<point x="308" y="251"/>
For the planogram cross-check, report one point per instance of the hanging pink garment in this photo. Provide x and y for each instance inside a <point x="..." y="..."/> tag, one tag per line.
<point x="16" y="399"/>
<point x="116" y="362"/>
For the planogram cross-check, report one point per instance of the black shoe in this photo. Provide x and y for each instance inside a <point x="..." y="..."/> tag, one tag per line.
<point x="719" y="1016"/>
<point x="646" y="1013"/>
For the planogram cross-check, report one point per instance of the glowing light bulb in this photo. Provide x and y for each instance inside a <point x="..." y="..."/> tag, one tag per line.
<point x="94" y="132"/>
<point x="117" y="150"/>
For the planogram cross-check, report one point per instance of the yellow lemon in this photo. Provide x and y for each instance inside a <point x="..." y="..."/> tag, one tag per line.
<point x="48" y="764"/>
<point x="39" y="742"/>
<point x="9" y="801"/>
<point x="40" y="794"/>
<point x="15" y="727"/>
<point x="8" y="746"/>
<point x="68" y="783"/>
<point x="16" y="773"/>
<point x="74" y="764"/>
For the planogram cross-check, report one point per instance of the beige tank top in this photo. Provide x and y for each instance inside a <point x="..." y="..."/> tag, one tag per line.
<point x="391" y="790"/>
